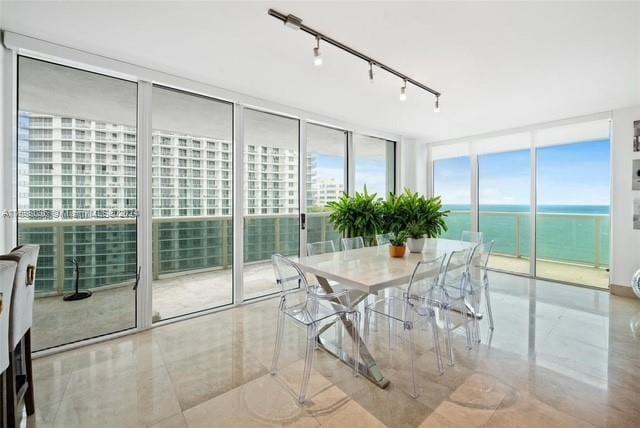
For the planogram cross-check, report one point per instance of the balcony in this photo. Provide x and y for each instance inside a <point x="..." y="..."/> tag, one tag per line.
<point x="571" y="247"/>
<point x="191" y="268"/>
<point x="192" y="259"/>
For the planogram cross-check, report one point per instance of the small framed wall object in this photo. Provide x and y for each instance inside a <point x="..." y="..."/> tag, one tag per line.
<point x="636" y="213"/>
<point x="636" y="136"/>
<point x="635" y="175"/>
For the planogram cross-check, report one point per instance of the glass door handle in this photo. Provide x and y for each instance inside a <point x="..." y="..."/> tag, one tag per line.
<point x="135" y="286"/>
<point x="303" y="221"/>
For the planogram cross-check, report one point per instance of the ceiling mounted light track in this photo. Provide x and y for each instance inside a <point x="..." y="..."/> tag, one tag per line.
<point x="295" y="23"/>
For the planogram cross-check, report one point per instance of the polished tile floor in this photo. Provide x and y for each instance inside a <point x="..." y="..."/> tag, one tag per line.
<point x="560" y="356"/>
<point x="57" y="322"/>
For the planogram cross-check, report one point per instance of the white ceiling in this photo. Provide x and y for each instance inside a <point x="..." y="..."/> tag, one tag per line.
<point x="499" y="65"/>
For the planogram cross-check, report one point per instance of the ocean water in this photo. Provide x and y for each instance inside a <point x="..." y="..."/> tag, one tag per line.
<point x="567" y="233"/>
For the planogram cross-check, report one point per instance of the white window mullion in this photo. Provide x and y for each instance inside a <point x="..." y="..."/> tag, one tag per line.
<point x="145" y="206"/>
<point x="534" y="205"/>
<point x="350" y="170"/>
<point x="302" y="156"/>
<point x="475" y="219"/>
<point x="238" y="203"/>
<point x="9" y="147"/>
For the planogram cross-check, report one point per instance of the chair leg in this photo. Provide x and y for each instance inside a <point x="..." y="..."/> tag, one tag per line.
<point x="10" y="397"/>
<point x="367" y="320"/>
<point x="339" y="336"/>
<point x="448" y="337"/>
<point x="355" y="350"/>
<point x="308" y="362"/>
<point x="29" y="400"/>
<point x="467" y="328"/>
<point x="409" y="325"/>
<point x="489" y="311"/>
<point x="436" y="341"/>
<point x="278" y="344"/>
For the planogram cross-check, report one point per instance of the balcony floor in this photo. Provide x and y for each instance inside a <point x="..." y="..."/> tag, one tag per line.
<point x="565" y="272"/>
<point x="57" y="322"/>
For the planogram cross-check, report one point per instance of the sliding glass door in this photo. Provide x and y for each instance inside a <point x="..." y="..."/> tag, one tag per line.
<point x="573" y="213"/>
<point x="192" y="182"/>
<point x="326" y="179"/>
<point x="77" y="199"/>
<point x="451" y="181"/>
<point x="374" y="165"/>
<point x="566" y="167"/>
<point x="271" y="197"/>
<point x="505" y="208"/>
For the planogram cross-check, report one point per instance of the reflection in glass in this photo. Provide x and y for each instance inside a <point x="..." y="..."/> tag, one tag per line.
<point x="77" y="193"/>
<point x="374" y="165"/>
<point x="326" y="164"/>
<point x="192" y="203"/>
<point x="271" y="197"/>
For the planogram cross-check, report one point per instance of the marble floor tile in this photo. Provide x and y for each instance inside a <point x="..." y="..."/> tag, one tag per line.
<point x="559" y="356"/>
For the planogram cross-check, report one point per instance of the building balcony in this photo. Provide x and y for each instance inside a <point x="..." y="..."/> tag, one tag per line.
<point x="192" y="262"/>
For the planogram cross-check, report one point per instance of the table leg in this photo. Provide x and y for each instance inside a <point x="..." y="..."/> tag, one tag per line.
<point x="368" y="366"/>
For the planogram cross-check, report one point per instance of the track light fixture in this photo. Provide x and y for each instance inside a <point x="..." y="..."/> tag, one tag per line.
<point x="317" y="58"/>
<point x="296" y="23"/>
<point x="436" y="108"/>
<point x="403" y="92"/>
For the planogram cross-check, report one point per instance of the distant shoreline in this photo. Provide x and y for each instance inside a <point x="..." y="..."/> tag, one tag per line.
<point x="558" y="209"/>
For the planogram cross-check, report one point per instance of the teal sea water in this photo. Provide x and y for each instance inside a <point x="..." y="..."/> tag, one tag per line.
<point x="567" y="233"/>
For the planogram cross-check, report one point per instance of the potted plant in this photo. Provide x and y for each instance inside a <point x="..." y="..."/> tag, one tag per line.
<point x="400" y="211"/>
<point x="415" y="237"/>
<point x="357" y="215"/>
<point x="396" y="244"/>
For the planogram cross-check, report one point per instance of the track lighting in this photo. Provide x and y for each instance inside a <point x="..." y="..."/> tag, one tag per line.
<point x="403" y="92"/>
<point x="296" y="23"/>
<point x="317" y="58"/>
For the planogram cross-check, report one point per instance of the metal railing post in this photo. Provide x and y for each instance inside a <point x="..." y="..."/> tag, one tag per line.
<point x="598" y="243"/>
<point x="155" y="237"/>
<point x="518" y="255"/>
<point x="59" y="242"/>
<point x="225" y="246"/>
<point x="323" y="223"/>
<point x="277" y="232"/>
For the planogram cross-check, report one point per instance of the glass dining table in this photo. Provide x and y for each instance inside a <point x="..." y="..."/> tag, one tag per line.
<point x="368" y="270"/>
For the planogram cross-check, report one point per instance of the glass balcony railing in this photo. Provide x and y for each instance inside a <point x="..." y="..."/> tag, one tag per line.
<point x="106" y="248"/>
<point x="567" y="238"/>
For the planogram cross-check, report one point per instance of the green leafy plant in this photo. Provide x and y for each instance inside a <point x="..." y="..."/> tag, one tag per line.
<point x="415" y="230"/>
<point x="358" y="215"/>
<point x="399" y="239"/>
<point x="410" y="208"/>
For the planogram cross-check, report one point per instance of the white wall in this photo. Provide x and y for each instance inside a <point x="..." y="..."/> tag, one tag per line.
<point x="4" y="184"/>
<point x="625" y="253"/>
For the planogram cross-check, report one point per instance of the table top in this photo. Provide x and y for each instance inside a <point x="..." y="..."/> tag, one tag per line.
<point x="372" y="269"/>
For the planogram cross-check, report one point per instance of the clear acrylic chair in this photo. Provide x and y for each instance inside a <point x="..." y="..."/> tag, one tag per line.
<point x="479" y="282"/>
<point x="414" y="305"/>
<point x="300" y="303"/>
<point x="321" y="247"/>
<point x="384" y="238"/>
<point x="473" y="237"/>
<point x="352" y="243"/>
<point x="455" y="295"/>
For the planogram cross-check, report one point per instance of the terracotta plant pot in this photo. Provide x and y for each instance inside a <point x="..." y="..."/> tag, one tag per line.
<point x="397" y="250"/>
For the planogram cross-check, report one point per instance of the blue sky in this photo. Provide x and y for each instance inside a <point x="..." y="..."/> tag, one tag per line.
<point x="572" y="174"/>
<point x="369" y="172"/>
